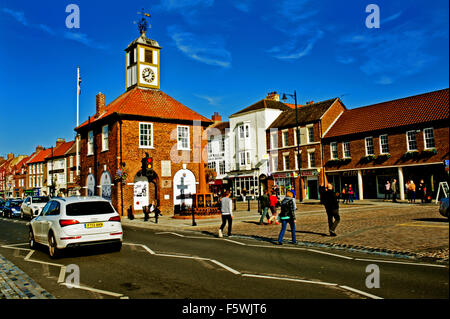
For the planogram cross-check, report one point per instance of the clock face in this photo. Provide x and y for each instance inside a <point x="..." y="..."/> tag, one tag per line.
<point x="148" y="75"/>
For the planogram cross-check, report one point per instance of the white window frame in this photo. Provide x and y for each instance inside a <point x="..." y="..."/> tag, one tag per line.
<point x="308" y="127"/>
<point x="274" y="162"/>
<point x="245" y="155"/>
<point x="344" y="150"/>
<point x="105" y="138"/>
<point x="284" y="142"/>
<point x="408" y="140"/>
<point x="273" y="140"/>
<point x="181" y="139"/>
<point x="309" y="159"/>
<point x="369" y="138"/>
<point x="286" y="155"/>
<point x="381" y="143"/>
<point x="425" y="138"/>
<point x="90" y="143"/>
<point x="149" y="126"/>
<point x="334" y="149"/>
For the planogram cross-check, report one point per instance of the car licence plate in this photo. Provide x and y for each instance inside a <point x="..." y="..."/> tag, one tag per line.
<point x="93" y="225"/>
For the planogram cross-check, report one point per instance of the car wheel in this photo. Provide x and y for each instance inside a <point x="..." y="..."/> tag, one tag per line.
<point x="31" y="240"/>
<point x="53" y="251"/>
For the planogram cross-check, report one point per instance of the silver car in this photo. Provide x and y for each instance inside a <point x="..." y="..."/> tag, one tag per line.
<point x="32" y="206"/>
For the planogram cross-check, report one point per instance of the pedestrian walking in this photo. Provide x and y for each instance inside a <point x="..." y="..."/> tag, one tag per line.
<point x="155" y="209"/>
<point x="227" y="214"/>
<point x="344" y="194"/>
<point x="265" y="205"/>
<point x="350" y="193"/>
<point x="287" y="215"/>
<point x="331" y="203"/>
<point x="412" y="191"/>
<point x="387" y="190"/>
<point x="146" y="210"/>
<point x="421" y="191"/>
<point x="273" y="208"/>
<point x="394" y="188"/>
<point x="408" y="192"/>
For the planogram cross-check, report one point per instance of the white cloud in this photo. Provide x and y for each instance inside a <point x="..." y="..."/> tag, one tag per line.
<point x="83" y="38"/>
<point x="18" y="15"/>
<point x="345" y="59"/>
<point x="170" y="5"/>
<point x="293" y="52"/>
<point x="206" y="49"/>
<point x="212" y="100"/>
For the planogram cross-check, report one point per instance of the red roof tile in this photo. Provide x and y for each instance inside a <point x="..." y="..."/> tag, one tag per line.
<point x="60" y="150"/>
<point x="40" y="157"/>
<point x="152" y="103"/>
<point x="412" y="110"/>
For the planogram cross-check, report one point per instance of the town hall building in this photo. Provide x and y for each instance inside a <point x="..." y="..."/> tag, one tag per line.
<point x="143" y="121"/>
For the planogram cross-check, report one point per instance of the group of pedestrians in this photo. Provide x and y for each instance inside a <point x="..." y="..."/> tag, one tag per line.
<point x="347" y="194"/>
<point x="412" y="191"/>
<point x="329" y="198"/>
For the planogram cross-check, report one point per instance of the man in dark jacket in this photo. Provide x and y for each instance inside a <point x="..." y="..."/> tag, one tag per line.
<point x="331" y="203"/>
<point x="287" y="215"/>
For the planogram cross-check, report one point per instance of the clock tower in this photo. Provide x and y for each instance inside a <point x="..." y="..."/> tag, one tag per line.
<point x="142" y="61"/>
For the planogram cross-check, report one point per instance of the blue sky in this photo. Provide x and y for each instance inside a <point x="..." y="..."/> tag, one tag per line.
<point x="218" y="55"/>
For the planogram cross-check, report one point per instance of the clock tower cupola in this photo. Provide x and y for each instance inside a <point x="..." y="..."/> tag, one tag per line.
<point x="142" y="59"/>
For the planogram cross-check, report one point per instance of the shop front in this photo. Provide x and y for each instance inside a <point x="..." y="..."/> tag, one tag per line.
<point x="284" y="182"/>
<point x="311" y="183"/>
<point x="245" y="186"/>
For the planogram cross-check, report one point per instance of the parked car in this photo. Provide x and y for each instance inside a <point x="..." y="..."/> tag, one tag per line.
<point x="74" y="222"/>
<point x="32" y="206"/>
<point x="12" y="208"/>
<point x="443" y="207"/>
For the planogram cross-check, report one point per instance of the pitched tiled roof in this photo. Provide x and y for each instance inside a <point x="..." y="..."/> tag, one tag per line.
<point x="305" y="114"/>
<point x="412" y="110"/>
<point x="60" y="150"/>
<point x="221" y="126"/>
<point x="263" y="104"/>
<point x="40" y="157"/>
<point x="148" y="102"/>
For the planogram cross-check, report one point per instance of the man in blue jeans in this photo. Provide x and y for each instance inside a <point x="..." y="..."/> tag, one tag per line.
<point x="287" y="215"/>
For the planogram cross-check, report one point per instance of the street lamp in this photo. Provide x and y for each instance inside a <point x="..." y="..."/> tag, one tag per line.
<point x="284" y="98"/>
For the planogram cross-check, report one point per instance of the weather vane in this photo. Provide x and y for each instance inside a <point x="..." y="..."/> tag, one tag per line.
<point x="143" y="24"/>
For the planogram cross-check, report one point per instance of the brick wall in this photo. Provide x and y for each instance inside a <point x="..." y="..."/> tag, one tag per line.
<point x="164" y="141"/>
<point x="397" y="148"/>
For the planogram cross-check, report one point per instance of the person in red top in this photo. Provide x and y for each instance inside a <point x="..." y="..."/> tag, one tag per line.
<point x="273" y="209"/>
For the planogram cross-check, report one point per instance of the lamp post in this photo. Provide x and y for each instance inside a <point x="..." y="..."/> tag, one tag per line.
<point x="284" y="98"/>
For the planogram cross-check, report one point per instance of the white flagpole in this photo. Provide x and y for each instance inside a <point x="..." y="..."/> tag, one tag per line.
<point x="78" y="111"/>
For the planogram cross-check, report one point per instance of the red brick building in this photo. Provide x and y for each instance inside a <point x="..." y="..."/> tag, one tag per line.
<point x="314" y="119"/>
<point x="143" y="120"/>
<point x="406" y="139"/>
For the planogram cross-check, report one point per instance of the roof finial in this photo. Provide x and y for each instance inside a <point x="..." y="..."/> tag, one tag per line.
<point x="143" y="24"/>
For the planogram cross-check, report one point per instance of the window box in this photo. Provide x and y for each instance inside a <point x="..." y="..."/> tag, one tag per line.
<point x="382" y="157"/>
<point x="339" y="161"/>
<point x="429" y="152"/>
<point x="410" y="155"/>
<point x="368" y="159"/>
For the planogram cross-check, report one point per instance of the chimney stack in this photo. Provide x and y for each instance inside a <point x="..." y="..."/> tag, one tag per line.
<point x="39" y="148"/>
<point x="99" y="104"/>
<point x="216" y="117"/>
<point x="274" y="96"/>
<point x="60" y="141"/>
<point x="10" y="156"/>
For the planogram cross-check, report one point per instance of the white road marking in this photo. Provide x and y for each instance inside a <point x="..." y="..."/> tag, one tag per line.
<point x="360" y="292"/>
<point x="104" y="292"/>
<point x="290" y="279"/>
<point x="225" y="267"/>
<point x="330" y="254"/>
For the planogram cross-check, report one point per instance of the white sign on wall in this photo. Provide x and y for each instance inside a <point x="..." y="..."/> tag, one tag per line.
<point x="183" y="187"/>
<point x="106" y="186"/>
<point x="140" y="195"/>
<point x="90" y="185"/>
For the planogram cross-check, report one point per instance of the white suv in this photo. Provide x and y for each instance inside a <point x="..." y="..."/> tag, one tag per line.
<point x="76" y="221"/>
<point x="32" y="206"/>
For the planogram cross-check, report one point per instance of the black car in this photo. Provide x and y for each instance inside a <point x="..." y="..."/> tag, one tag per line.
<point x="12" y="208"/>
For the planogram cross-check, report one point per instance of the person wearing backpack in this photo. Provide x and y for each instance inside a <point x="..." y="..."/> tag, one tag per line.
<point x="265" y="204"/>
<point x="287" y="215"/>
